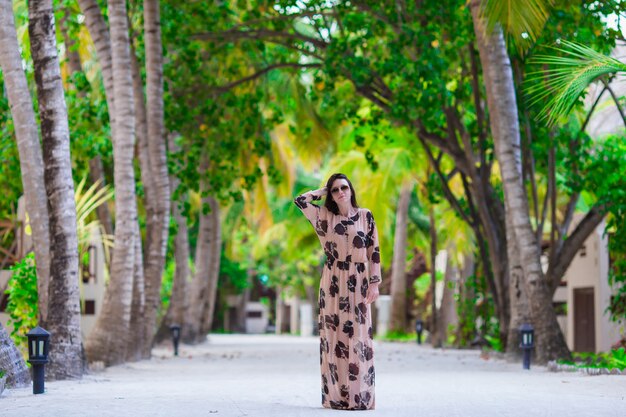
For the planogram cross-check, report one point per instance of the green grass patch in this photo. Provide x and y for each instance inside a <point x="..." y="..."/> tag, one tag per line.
<point x="616" y="359"/>
<point x="397" y="336"/>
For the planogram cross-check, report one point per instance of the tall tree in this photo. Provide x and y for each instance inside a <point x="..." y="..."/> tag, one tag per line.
<point x="31" y="159"/>
<point x="63" y="319"/>
<point x="199" y="287"/>
<point x="158" y="222"/>
<point x="398" y="274"/>
<point x="96" y="168"/>
<point x="108" y="339"/>
<point x="177" y="308"/>
<point x="501" y="99"/>
<point x="214" y="268"/>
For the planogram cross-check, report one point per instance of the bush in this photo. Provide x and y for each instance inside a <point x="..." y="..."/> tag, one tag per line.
<point x="22" y="305"/>
<point x="616" y="359"/>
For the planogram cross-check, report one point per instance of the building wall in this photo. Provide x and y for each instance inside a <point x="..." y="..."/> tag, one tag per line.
<point x="93" y="290"/>
<point x="591" y="271"/>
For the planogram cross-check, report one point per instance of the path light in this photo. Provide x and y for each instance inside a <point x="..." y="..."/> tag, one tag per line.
<point x="527" y="338"/>
<point x="419" y="328"/>
<point x="175" y="329"/>
<point x="38" y="347"/>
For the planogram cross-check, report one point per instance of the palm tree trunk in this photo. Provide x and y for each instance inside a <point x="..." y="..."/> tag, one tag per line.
<point x="199" y="291"/>
<point x="177" y="308"/>
<point x="447" y="311"/>
<point x="398" y="274"/>
<point x="108" y="339"/>
<point x="158" y="224"/>
<point x="12" y="362"/>
<point x="137" y="338"/>
<point x="520" y="311"/>
<point x="63" y="319"/>
<point x="214" y="268"/>
<point x="505" y="130"/>
<point x="31" y="159"/>
<point x="435" y="339"/>
<point x="96" y="170"/>
<point x="99" y="32"/>
<point x="181" y="254"/>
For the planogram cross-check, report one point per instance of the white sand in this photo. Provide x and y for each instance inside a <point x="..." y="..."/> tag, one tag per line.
<point x="240" y="375"/>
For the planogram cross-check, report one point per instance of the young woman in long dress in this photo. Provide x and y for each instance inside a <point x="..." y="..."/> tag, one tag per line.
<point x="350" y="241"/>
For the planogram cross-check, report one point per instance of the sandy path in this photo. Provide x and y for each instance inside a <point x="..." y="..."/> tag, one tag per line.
<point x="239" y="375"/>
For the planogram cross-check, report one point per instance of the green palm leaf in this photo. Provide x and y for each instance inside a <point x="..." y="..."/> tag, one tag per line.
<point x="567" y="78"/>
<point x="520" y="19"/>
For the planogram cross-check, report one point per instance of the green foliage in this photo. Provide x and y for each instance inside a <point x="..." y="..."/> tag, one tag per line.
<point x="520" y="19"/>
<point x="616" y="359"/>
<point x="166" y="285"/>
<point x="495" y="343"/>
<point x="233" y="274"/>
<point x="22" y="292"/>
<point x="568" y="77"/>
<point x="398" y="336"/>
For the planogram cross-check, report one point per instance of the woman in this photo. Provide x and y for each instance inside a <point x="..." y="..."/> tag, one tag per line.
<point x="350" y="240"/>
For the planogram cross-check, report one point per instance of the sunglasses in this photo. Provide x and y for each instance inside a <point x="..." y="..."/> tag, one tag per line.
<point x="344" y="188"/>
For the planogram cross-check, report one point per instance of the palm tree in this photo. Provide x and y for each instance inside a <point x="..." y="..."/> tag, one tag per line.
<point x="102" y="40"/>
<point x="201" y="284"/>
<point x="504" y="123"/>
<point x="96" y="169"/>
<point x="31" y="159"/>
<point x="63" y="293"/>
<point x="158" y="224"/>
<point x="177" y="308"/>
<point x="107" y="341"/>
<point x="398" y="278"/>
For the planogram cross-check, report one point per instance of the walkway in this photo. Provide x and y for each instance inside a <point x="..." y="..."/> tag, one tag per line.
<point x="274" y="376"/>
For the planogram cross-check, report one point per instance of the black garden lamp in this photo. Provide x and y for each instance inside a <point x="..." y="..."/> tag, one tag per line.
<point x="175" y="329"/>
<point x="419" y="328"/>
<point x="527" y="342"/>
<point x="38" y="348"/>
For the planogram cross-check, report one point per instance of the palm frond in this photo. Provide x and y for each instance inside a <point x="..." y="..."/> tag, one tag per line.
<point x="519" y="19"/>
<point x="567" y="78"/>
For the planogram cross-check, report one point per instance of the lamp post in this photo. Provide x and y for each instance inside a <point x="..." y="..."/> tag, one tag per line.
<point x="419" y="328"/>
<point x="175" y="329"/>
<point x="38" y="347"/>
<point x="527" y="342"/>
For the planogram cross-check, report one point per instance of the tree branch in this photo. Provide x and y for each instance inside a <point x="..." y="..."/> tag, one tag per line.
<point x="446" y="189"/>
<point x="593" y="108"/>
<point x="280" y="17"/>
<point x="615" y="99"/>
<point x="572" y="244"/>
<point x="224" y="88"/>
<point x="259" y="34"/>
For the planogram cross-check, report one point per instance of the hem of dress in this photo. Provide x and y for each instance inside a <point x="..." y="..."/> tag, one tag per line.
<point x="329" y="407"/>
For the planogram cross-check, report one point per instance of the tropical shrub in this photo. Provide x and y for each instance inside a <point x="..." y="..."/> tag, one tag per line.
<point x="22" y="295"/>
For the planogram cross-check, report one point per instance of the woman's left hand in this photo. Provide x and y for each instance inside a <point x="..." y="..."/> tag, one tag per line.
<point x="372" y="293"/>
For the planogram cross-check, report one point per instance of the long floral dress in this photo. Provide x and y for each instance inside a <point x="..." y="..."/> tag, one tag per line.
<point x="345" y="326"/>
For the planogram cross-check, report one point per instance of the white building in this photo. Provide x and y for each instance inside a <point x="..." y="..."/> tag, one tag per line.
<point x="586" y="293"/>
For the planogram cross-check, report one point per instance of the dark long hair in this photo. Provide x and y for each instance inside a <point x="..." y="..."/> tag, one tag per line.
<point x="330" y="203"/>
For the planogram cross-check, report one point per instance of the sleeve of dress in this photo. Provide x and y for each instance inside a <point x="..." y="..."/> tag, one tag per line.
<point x="305" y="203"/>
<point x="373" y="249"/>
